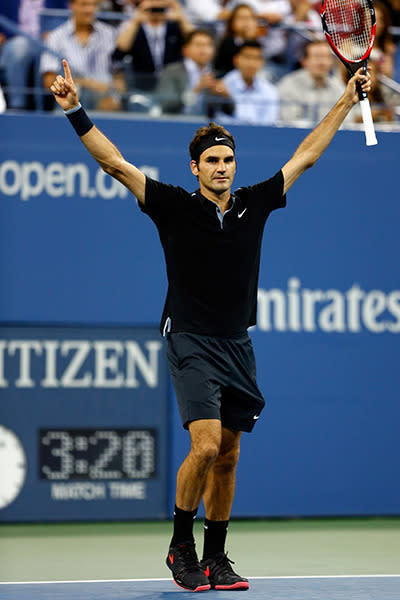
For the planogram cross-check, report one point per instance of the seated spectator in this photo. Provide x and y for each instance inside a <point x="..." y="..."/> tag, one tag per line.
<point x="87" y="44"/>
<point x="18" y="53"/>
<point x="255" y="100"/>
<point x="241" y="26"/>
<point x="151" y="39"/>
<point x="186" y="86"/>
<point x="304" y="24"/>
<point x="309" y="92"/>
<point x="207" y="11"/>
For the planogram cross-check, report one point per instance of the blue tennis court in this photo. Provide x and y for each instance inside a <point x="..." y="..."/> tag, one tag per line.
<point x="377" y="587"/>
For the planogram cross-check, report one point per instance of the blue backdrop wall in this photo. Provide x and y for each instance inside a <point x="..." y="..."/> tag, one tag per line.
<point x="75" y="249"/>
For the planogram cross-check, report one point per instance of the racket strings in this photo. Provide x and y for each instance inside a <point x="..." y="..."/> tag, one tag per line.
<point x="349" y="23"/>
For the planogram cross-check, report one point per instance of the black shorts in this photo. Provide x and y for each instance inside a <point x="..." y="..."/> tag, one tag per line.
<point x="215" y="378"/>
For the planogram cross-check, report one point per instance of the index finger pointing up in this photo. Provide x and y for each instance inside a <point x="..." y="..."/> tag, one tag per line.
<point x="67" y="72"/>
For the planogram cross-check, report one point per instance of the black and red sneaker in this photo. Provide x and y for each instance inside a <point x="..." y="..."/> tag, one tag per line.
<point x="186" y="570"/>
<point x="221" y="575"/>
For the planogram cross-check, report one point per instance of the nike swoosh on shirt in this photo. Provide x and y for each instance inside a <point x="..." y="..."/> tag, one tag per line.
<point x="240" y="215"/>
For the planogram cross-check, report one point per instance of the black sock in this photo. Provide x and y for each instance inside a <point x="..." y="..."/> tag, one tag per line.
<point x="183" y="526"/>
<point x="214" y="537"/>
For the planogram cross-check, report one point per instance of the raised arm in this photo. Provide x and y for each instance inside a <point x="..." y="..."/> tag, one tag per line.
<point x="319" y="139"/>
<point x="100" y="147"/>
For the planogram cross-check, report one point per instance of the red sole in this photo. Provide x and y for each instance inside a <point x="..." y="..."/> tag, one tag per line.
<point x="200" y="588"/>
<point x="240" y="585"/>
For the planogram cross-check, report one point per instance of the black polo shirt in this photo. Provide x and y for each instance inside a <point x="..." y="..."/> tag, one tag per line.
<point x="212" y="266"/>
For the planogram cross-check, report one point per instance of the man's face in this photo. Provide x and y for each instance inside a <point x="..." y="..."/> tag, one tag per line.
<point x="216" y="169"/>
<point x="200" y="49"/>
<point x="249" y="61"/>
<point x="83" y="11"/>
<point x="319" y="60"/>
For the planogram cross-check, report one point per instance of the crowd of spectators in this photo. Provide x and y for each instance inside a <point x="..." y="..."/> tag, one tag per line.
<point x="255" y="62"/>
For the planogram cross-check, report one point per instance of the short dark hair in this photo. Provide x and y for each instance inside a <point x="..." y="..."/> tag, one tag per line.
<point x="189" y="37"/>
<point x="249" y="44"/>
<point x="207" y="130"/>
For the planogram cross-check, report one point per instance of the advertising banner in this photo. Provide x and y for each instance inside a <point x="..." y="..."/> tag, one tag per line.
<point x="83" y="424"/>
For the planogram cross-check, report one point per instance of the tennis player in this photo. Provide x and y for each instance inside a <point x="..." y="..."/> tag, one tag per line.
<point x="211" y="240"/>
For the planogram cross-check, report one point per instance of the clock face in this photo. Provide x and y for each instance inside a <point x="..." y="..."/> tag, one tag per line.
<point x="12" y="466"/>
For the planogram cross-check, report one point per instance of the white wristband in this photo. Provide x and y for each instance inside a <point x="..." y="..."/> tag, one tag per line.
<point x="72" y="110"/>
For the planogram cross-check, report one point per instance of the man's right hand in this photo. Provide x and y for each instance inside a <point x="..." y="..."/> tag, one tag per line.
<point x="64" y="89"/>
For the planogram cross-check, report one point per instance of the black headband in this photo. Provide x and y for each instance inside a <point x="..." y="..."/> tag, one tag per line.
<point x="212" y="139"/>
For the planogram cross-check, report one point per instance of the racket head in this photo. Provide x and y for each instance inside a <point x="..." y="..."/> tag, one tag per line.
<point x="350" y="29"/>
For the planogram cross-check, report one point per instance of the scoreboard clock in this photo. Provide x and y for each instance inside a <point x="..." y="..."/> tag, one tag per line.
<point x="97" y="454"/>
<point x="83" y="424"/>
<point x="12" y="466"/>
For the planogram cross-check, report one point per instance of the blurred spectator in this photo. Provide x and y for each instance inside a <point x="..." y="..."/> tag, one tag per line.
<point x="185" y="86"/>
<point x="241" y="26"/>
<point x="207" y="11"/>
<point x="255" y="100"/>
<point x="309" y="92"/>
<point x="18" y="53"/>
<point x="87" y="44"/>
<point x="304" y="25"/>
<point x="152" y="38"/>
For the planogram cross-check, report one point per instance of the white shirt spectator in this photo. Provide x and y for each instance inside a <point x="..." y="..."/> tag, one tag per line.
<point x="303" y="99"/>
<point x="90" y="60"/>
<point x="257" y="104"/>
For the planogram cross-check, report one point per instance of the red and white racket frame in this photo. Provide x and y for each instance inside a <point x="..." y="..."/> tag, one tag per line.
<point x="353" y="65"/>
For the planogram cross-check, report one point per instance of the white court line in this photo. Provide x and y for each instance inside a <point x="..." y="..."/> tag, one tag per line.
<point x="274" y="577"/>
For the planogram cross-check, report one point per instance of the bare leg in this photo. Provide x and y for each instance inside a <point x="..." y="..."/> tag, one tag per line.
<point x="205" y="437"/>
<point x="220" y="485"/>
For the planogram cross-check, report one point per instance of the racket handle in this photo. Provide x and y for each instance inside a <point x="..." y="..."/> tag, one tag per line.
<point x="369" y="128"/>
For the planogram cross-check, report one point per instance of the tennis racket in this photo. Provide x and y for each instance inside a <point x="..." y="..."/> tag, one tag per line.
<point x="349" y="27"/>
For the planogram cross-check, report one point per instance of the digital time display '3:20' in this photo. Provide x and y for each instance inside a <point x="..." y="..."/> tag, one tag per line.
<point x="97" y="454"/>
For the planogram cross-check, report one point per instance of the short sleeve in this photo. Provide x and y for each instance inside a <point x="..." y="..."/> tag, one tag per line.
<point x="163" y="202"/>
<point x="268" y="195"/>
